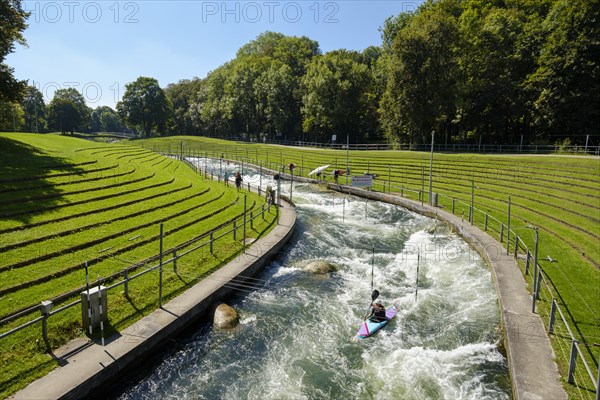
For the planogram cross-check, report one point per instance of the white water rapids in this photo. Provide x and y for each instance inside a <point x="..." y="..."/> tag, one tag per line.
<point x="296" y="339"/>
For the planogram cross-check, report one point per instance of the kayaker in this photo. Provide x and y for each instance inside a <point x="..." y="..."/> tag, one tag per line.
<point x="377" y="313"/>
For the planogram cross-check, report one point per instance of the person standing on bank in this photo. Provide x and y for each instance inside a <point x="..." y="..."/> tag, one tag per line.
<point x="226" y="178"/>
<point x="238" y="180"/>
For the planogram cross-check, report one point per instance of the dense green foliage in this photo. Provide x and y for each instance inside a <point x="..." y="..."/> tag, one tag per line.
<point x="34" y="110"/>
<point x="145" y="106"/>
<point x="472" y="70"/>
<point x="12" y="24"/>
<point x="67" y="111"/>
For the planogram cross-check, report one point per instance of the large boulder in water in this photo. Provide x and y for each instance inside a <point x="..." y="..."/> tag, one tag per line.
<point x="320" y="267"/>
<point x="226" y="317"/>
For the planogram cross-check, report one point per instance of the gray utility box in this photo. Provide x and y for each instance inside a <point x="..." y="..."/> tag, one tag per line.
<point x="97" y="296"/>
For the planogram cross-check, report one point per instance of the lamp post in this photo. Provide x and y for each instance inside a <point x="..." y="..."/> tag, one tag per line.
<point x="431" y="168"/>
<point x="535" y="268"/>
<point x="347" y="149"/>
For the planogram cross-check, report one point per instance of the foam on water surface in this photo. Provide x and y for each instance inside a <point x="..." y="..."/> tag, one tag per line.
<point x="296" y="336"/>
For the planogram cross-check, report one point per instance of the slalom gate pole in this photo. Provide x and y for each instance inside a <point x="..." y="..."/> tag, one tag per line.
<point x="417" y="284"/>
<point x="372" y="267"/>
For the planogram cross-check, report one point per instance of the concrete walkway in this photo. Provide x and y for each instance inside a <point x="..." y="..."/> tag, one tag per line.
<point x="533" y="371"/>
<point x="88" y="366"/>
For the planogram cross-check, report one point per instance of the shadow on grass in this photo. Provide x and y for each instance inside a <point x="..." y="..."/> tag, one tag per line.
<point x="24" y="172"/>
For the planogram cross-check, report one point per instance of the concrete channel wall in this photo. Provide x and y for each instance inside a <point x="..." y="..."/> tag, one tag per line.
<point x="88" y="368"/>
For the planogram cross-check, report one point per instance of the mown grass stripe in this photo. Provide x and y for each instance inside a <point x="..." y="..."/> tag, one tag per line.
<point x="51" y="184"/>
<point x="48" y="208"/>
<point x="149" y="240"/>
<point x="28" y="242"/>
<point x="94" y="211"/>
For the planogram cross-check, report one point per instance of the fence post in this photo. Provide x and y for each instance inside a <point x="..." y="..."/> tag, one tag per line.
<point x="45" y="308"/>
<point x="552" y="316"/>
<point x="211" y="243"/>
<point x="598" y="383"/>
<point x="527" y="262"/>
<point x="516" y="246"/>
<point x="538" y="283"/>
<point x="160" y="271"/>
<point x="175" y="261"/>
<point x="453" y="205"/>
<point x="234" y="230"/>
<point x="262" y="211"/>
<point x="508" y="228"/>
<point x="402" y="191"/>
<point x="389" y="179"/>
<point x="573" y="361"/>
<point x="485" y="223"/>
<point x="251" y="219"/>
<point x="244" y="230"/>
<point x="501" y="232"/>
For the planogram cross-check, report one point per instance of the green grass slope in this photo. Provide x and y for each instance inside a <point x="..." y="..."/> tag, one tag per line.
<point x="67" y="201"/>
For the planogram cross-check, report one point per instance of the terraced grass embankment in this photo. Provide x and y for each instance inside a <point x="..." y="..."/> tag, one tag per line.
<point x="66" y="201"/>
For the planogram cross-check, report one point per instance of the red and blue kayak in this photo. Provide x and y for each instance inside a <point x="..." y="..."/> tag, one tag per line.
<point x="369" y="327"/>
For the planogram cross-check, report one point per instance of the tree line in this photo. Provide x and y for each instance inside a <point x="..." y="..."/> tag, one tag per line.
<point x="497" y="71"/>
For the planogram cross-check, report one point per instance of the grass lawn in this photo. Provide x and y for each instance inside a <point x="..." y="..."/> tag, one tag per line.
<point x="67" y="201"/>
<point x="559" y="194"/>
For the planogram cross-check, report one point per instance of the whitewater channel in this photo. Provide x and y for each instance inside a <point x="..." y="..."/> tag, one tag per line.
<point x="297" y="340"/>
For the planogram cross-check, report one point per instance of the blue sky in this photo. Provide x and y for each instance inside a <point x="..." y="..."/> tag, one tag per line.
<point x="100" y="46"/>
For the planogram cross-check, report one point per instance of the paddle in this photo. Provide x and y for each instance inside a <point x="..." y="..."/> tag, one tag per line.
<point x="374" y="297"/>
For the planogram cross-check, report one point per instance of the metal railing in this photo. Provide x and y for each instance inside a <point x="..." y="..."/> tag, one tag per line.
<point x="541" y="293"/>
<point x="238" y="224"/>
<point x="441" y="147"/>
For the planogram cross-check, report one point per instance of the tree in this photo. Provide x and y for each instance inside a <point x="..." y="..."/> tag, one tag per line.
<point x="35" y="110"/>
<point x="337" y="95"/>
<point x="145" y="106"/>
<point x="567" y="80"/>
<point x="95" y="124"/>
<point x="421" y="92"/>
<point x="241" y="100"/>
<point x="181" y="95"/>
<point x="491" y="60"/>
<point x="109" y="120"/>
<point x="274" y="89"/>
<point x="68" y="112"/>
<point x="210" y="103"/>
<point x="12" y="18"/>
<point x="11" y="117"/>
